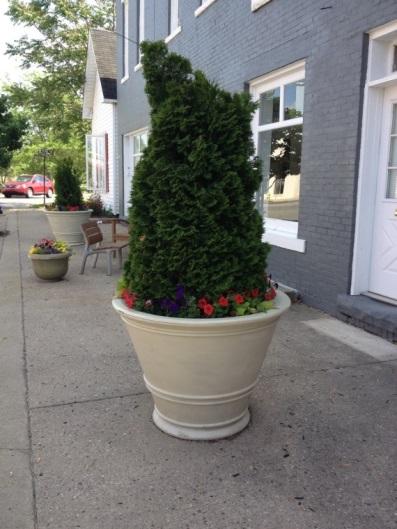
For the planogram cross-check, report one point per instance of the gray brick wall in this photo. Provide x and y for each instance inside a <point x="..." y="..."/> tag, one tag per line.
<point x="233" y="45"/>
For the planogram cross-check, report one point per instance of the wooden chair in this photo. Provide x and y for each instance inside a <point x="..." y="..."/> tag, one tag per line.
<point x="93" y="236"/>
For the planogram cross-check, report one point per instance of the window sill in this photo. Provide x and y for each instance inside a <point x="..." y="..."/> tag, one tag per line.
<point x="124" y="79"/>
<point x="203" y="7"/>
<point x="283" y="241"/>
<point x="173" y="34"/>
<point x="138" y="67"/>
<point x="256" y="4"/>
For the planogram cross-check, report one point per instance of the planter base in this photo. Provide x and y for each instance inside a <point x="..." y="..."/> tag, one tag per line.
<point x="201" y="372"/>
<point x="200" y="432"/>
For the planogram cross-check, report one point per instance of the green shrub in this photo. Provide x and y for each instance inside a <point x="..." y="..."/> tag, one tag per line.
<point x="193" y="217"/>
<point x="99" y="209"/>
<point x="67" y="186"/>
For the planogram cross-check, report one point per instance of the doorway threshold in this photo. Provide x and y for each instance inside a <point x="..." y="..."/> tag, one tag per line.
<point x="369" y="314"/>
<point x="378" y="297"/>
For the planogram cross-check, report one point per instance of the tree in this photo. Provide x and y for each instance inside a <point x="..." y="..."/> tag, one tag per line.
<point x="52" y="99"/>
<point x="193" y="216"/>
<point x="67" y="186"/>
<point x="12" y="129"/>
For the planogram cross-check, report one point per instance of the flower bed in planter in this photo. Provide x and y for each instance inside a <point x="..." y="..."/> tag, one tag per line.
<point x="50" y="259"/>
<point x="68" y="212"/>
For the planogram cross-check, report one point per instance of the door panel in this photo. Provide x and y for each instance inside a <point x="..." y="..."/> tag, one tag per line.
<point x="383" y="278"/>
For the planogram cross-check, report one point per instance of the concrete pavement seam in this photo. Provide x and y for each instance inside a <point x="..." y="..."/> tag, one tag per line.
<point x="127" y="395"/>
<point x="326" y="369"/>
<point x="22" y="450"/>
<point x="25" y="375"/>
<point x="2" y="238"/>
<point x="85" y="401"/>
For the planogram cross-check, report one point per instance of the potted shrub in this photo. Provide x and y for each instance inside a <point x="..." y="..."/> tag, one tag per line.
<point x="194" y="296"/>
<point x="50" y="259"/>
<point x="68" y="212"/>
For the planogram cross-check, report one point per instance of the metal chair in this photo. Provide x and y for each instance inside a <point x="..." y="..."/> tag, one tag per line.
<point x="93" y="236"/>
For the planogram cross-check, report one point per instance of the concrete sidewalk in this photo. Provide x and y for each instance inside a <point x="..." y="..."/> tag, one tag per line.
<point x="78" y="448"/>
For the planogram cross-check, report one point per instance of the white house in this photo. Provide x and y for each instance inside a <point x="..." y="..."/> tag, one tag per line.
<point x="100" y="107"/>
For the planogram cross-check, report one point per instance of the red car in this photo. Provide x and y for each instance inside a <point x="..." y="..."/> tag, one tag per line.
<point x="29" y="185"/>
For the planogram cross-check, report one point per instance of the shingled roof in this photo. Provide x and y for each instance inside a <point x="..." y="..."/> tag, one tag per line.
<point x="104" y="44"/>
<point x="101" y="61"/>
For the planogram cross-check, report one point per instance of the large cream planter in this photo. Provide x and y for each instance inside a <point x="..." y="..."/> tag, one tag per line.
<point x="65" y="225"/>
<point x="201" y="372"/>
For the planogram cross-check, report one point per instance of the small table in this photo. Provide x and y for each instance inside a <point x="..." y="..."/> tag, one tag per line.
<point x="114" y="221"/>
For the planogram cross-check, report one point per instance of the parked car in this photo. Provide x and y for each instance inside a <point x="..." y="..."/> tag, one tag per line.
<point x="28" y="185"/>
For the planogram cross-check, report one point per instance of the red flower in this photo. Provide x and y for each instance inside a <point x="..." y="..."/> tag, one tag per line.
<point x="208" y="309"/>
<point x="223" y="302"/>
<point x="129" y="298"/>
<point x="270" y="294"/>
<point x="238" y="298"/>
<point x="202" y="302"/>
<point x="255" y="293"/>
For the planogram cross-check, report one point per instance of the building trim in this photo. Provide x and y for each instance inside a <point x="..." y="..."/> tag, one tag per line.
<point x="205" y="5"/>
<point x="173" y="34"/>
<point x="256" y="4"/>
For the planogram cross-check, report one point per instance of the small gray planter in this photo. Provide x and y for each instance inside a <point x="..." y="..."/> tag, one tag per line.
<point x="50" y="267"/>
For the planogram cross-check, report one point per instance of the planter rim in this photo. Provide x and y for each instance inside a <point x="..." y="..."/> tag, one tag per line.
<point x="282" y="303"/>
<point x="49" y="256"/>
<point x="56" y="212"/>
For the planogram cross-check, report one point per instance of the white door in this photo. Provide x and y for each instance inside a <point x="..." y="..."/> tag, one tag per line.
<point x="383" y="278"/>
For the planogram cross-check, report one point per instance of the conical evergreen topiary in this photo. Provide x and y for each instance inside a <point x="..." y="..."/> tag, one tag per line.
<point x="67" y="186"/>
<point x="195" y="231"/>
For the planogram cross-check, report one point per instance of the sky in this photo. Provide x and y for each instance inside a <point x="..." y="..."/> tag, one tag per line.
<point x="10" y="69"/>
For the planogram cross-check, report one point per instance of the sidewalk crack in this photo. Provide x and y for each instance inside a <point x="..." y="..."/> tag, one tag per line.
<point x="86" y="401"/>
<point x="25" y="376"/>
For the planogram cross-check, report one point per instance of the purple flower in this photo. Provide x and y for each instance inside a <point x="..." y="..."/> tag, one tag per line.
<point x="180" y="293"/>
<point x="165" y="303"/>
<point x="169" y="305"/>
<point x="174" y="307"/>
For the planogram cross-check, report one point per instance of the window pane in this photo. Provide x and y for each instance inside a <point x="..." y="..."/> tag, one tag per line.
<point x="394" y="124"/>
<point x="293" y="99"/>
<point x="393" y="152"/>
<point x="143" y="141"/>
<point x="136" y="144"/>
<point x="269" y="107"/>
<point x="392" y="184"/>
<point x="89" y="176"/>
<point x="280" y="151"/>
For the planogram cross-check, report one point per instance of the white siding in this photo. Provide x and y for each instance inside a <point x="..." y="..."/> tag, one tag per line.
<point x="104" y="118"/>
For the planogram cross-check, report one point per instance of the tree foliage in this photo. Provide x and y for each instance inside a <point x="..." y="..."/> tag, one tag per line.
<point x="52" y="99"/>
<point x="12" y="128"/>
<point x="193" y="215"/>
<point x="67" y="185"/>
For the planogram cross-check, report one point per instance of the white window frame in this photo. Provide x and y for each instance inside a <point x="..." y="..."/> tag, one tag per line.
<point x="282" y="233"/>
<point x="125" y="29"/>
<point x="141" y="32"/>
<point x="130" y="155"/>
<point x="205" y="4"/>
<point x="256" y="4"/>
<point x="99" y="178"/>
<point x="174" y="25"/>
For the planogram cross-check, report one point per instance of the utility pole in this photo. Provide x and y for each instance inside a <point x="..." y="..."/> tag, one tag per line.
<point x="45" y="153"/>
